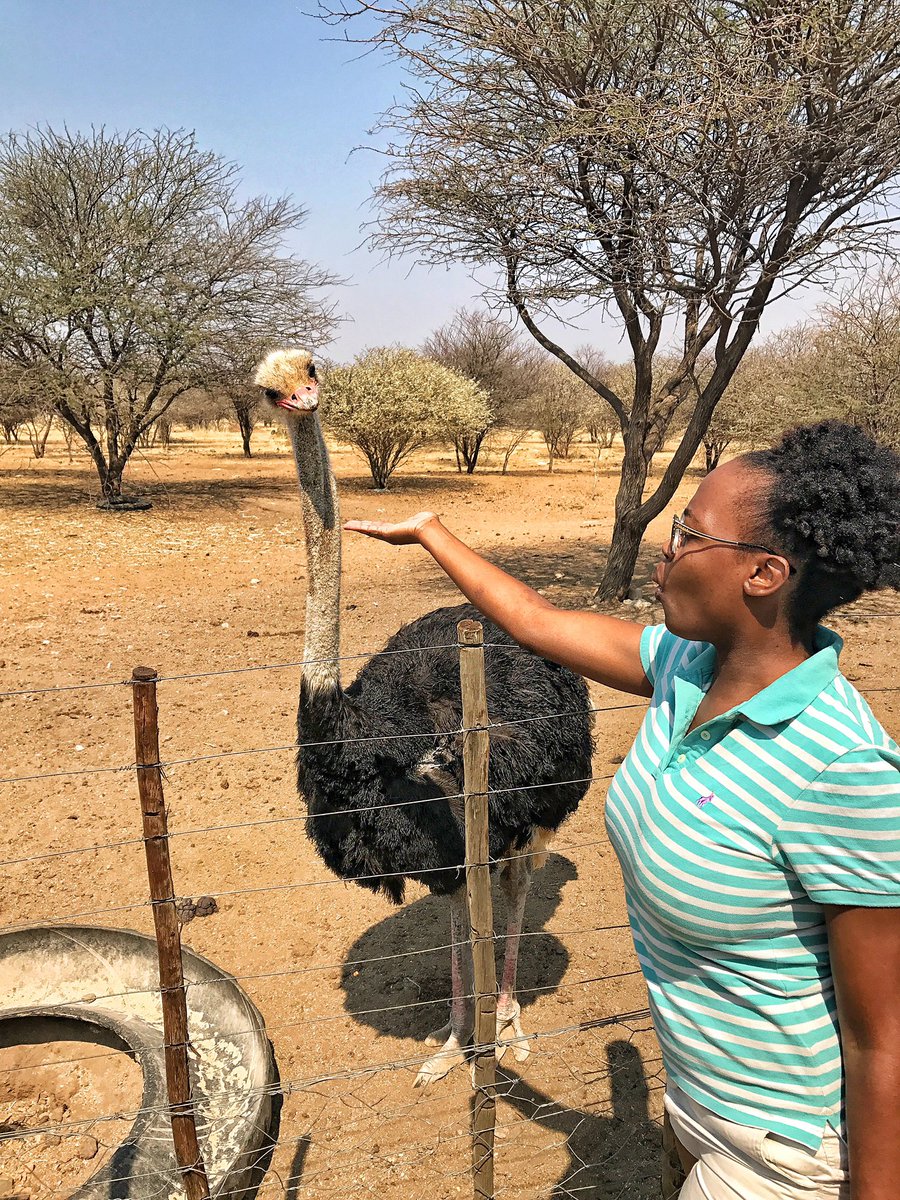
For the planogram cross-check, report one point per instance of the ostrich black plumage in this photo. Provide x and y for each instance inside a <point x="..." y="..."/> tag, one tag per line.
<point x="392" y="754"/>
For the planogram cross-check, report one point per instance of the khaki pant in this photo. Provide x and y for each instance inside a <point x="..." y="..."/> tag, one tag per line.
<point x="742" y="1162"/>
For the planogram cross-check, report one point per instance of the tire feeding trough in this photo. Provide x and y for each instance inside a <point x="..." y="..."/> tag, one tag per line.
<point x="101" y="986"/>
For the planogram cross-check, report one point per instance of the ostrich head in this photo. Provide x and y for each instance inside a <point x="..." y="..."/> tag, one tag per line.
<point x="288" y="381"/>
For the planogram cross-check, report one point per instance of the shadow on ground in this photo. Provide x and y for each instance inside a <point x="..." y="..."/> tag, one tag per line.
<point x="613" y="1149"/>
<point x="612" y="1154"/>
<point x="240" y="483"/>
<point x="569" y="571"/>
<point x="295" y="1175"/>
<point x="67" y="491"/>
<point x="386" y="994"/>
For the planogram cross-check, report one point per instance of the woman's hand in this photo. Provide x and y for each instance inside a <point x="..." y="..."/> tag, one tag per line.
<point x="405" y="533"/>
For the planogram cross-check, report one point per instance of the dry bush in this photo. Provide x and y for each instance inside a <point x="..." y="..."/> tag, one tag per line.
<point x="391" y="401"/>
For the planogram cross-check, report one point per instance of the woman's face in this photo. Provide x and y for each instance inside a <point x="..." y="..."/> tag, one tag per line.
<point x="704" y="587"/>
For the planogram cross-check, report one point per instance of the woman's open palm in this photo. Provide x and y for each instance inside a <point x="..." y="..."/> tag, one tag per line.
<point x="403" y="533"/>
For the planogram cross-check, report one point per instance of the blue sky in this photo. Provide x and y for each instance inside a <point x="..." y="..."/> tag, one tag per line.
<point x="262" y="83"/>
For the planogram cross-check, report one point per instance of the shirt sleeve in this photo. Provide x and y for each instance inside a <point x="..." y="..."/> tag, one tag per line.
<point x="841" y="836"/>
<point x="662" y="652"/>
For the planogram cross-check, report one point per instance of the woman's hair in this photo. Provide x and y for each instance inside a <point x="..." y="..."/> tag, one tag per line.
<point x="833" y="509"/>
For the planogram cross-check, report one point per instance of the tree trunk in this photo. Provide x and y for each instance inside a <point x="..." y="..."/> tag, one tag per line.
<point x="38" y="435"/>
<point x="111" y="481"/>
<point x="378" y="469"/>
<point x="623" y="552"/>
<point x="467" y="451"/>
<point x="245" y="423"/>
<point x="628" y="529"/>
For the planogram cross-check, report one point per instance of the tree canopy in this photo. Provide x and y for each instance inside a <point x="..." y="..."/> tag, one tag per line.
<point x="391" y="401"/>
<point x="681" y="165"/>
<point x="857" y="361"/>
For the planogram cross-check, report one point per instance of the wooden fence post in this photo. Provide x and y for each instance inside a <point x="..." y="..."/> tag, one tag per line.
<point x="478" y="891"/>
<point x="168" y="934"/>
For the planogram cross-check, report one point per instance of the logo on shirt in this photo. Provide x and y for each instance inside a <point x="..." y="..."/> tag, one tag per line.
<point x="704" y="800"/>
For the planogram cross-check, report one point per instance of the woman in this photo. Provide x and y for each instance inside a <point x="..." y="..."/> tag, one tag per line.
<point x="757" y="816"/>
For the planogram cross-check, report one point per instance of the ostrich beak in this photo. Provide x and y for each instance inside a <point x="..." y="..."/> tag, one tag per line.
<point x="304" y="399"/>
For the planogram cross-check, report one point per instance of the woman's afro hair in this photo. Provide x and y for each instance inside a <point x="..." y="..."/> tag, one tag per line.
<point x="834" y="510"/>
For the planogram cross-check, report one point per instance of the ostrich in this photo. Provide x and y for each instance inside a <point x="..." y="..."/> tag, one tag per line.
<point x="402" y="829"/>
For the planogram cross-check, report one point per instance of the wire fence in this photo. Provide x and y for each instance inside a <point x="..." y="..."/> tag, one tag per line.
<point x="574" y="1119"/>
<point x="578" y="1117"/>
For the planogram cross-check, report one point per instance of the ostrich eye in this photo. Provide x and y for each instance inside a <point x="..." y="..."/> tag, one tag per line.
<point x="271" y="394"/>
<point x="312" y="371"/>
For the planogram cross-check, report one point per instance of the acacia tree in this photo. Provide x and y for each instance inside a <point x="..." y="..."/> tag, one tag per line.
<point x="598" y="418"/>
<point x="17" y="401"/>
<point x="482" y="347"/>
<point x="857" y="365"/>
<point x="227" y="376"/>
<point x="561" y="406"/>
<point x="778" y="384"/>
<point x="25" y="404"/>
<point x="681" y="165"/>
<point x="391" y="401"/>
<point x="245" y="408"/>
<point x="127" y="261"/>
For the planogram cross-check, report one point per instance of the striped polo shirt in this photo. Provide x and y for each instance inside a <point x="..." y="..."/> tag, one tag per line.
<point x="730" y="838"/>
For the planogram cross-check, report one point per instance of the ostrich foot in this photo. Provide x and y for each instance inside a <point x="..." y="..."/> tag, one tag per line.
<point x="439" y="1036"/>
<point x="449" y="1056"/>
<point x="508" y="1023"/>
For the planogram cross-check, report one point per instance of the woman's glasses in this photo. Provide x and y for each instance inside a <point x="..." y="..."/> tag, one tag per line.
<point x="681" y="533"/>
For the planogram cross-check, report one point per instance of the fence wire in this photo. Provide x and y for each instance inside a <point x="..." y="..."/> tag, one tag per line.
<point x="304" y="817"/>
<point x="576" y="1111"/>
<point x="578" y="1119"/>
<point x="294" y="664"/>
<point x="231" y="893"/>
<point x="223" y="671"/>
<point x="291" y="1086"/>
<point x="430" y="734"/>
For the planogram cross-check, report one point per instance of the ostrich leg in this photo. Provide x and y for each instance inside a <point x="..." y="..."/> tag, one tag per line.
<point x="515" y="879"/>
<point x="453" y="1038"/>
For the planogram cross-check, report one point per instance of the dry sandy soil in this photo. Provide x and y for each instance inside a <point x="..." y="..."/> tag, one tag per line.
<point x="212" y="578"/>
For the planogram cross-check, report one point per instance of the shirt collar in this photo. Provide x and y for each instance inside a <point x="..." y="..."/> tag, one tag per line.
<point x="787" y="696"/>
<point x="797" y="689"/>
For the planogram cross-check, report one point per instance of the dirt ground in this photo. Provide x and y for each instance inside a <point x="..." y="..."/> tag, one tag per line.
<point x="212" y="578"/>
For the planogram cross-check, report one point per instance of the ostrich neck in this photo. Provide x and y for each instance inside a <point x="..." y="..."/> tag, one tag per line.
<point x="322" y="527"/>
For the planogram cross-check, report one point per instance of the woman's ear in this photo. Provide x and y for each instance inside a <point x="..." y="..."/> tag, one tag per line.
<point x="769" y="574"/>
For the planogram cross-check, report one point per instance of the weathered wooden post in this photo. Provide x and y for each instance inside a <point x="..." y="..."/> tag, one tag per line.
<point x="478" y="890"/>
<point x="168" y="935"/>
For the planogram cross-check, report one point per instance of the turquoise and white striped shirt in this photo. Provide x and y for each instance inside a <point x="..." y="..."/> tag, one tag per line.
<point x="730" y="839"/>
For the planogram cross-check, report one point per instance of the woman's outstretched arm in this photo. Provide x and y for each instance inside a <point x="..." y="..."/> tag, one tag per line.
<point x="600" y="647"/>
